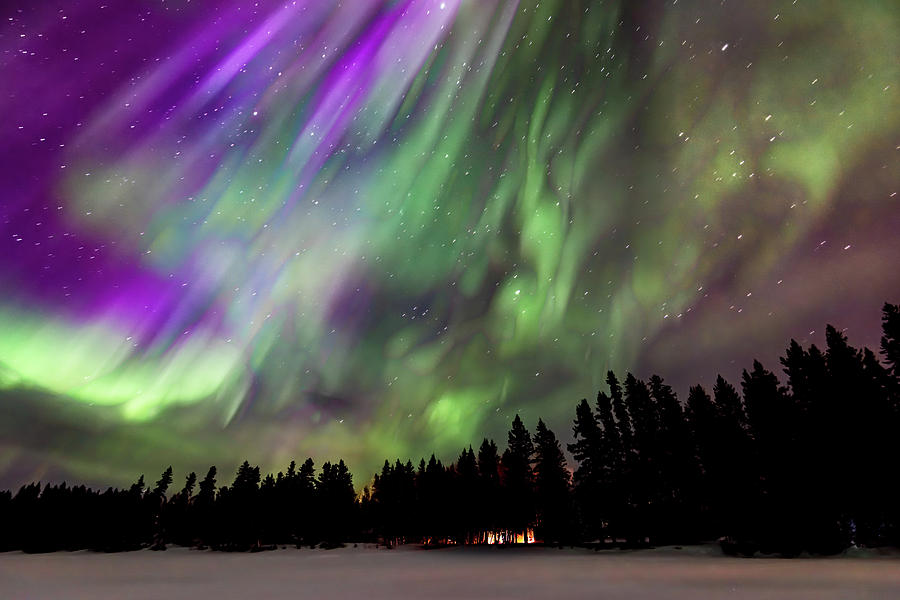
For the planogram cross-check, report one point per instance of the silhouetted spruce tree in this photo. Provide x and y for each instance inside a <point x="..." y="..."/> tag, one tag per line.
<point x="203" y="511"/>
<point x="607" y="422"/>
<point x="58" y="516"/>
<point x="207" y="491"/>
<point x="623" y="418"/>
<point x="394" y="494"/>
<point x="600" y="479"/>
<point x="622" y="471"/>
<point x="381" y="504"/>
<point x="107" y="505"/>
<point x="807" y="380"/>
<point x="411" y="520"/>
<point x="303" y="501"/>
<point x="701" y="418"/>
<point x="24" y="507"/>
<point x="676" y="466"/>
<point x="613" y="460"/>
<point x="268" y="525"/>
<point x="737" y="474"/>
<point x="642" y="462"/>
<point x="162" y="484"/>
<point x="877" y="474"/>
<point x="336" y="502"/>
<point x="240" y="509"/>
<point x="177" y="516"/>
<point x="189" y="483"/>
<point x="135" y="522"/>
<point x="156" y="502"/>
<point x="551" y="485"/>
<point x="843" y="427"/>
<point x="806" y="373"/>
<point x="45" y="528"/>
<point x="384" y="498"/>
<point x="222" y="531"/>
<point x="489" y="490"/>
<point x="417" y="521"/>
<point x="773" y="419"/>
<point x="465" y="496"/>
<point x="86" y="517"/>
<point x="590" y="472"/>
<point x="518" y="479"/>
<point x="432" y="495"/>
<point x="284" y="506"/>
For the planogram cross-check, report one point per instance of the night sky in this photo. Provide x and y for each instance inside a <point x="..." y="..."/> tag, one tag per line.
<point x="254" y="229"/>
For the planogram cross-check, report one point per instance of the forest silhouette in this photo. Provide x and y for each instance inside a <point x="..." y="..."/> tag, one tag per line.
<point x="808" y="466"/>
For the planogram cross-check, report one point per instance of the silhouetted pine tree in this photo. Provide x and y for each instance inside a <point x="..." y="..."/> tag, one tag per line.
<point x="773" y="418"/>
<point x="336" y="503"/>
<point x="180" y="524"/>
<point x="807" y="377"/>
<point x="394" y="496"/>
<point x="202" y="511"/>
<point x="623" y="418"/>
<point x="466" y="496"/>
<point x="590" y="472"/>
<point x="433" y="492"/>
<point x="703" y="422"/>
<point x="842" y="427"/>
<point x="136" y="522"/>
<point x="623" y="474"/>
<point x="736" y="470"/>
<point x="489" y="490"/>
<point x="302" y="499"/>
<point x="239" y="509"/>
<point x="877" y="476"/>
<point x="518" y="479"/>
<point x="24" y="507"/>
<point x="641" y="463"/>
<point x="162" y="484"/>
<point x="614" y="448"/>
<point x="267" y="523"/>
<point x="677" y="467"/>
<point x="283" y="508"/>
<point x="551" y="487"/>
<point x="383" y="504"/>
<point x="156" y="501"/>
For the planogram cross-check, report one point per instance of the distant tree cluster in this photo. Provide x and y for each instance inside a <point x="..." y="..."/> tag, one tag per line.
<point x="480" y="499"/>
<point x="811" y="466"/>
<point x="295" y="507"/>
<point x="807" y="466"/>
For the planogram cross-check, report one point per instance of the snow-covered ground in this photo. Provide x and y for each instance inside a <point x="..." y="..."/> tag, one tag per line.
<point x="486" y="572"/>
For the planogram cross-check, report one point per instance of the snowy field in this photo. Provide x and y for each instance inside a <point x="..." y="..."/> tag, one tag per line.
<point x="487" y="572"/>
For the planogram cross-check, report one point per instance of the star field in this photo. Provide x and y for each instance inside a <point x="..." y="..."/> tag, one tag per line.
<point x="265" y="230"/>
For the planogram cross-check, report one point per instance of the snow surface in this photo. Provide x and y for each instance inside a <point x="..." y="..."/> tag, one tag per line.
<point x="367" y="573"/>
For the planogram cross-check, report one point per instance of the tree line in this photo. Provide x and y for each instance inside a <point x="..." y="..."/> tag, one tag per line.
<point x="810" y="464"/>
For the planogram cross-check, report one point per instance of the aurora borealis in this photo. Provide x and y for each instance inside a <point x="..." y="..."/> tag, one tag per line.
<point x="266" y="230"/>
